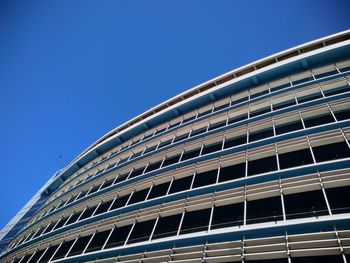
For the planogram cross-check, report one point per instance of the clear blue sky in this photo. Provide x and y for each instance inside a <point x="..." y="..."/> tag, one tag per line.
<point x="70" y="71"/>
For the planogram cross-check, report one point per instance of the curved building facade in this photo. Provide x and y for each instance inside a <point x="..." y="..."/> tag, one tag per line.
<point x="252" y="166"/>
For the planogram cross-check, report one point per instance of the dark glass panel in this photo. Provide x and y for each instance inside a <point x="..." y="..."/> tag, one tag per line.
<point x="141" y="231"/>
<point x="182" y="184"/>
<point x="195" y="221"/>
<point x="103" y="207"/>
<point x="94" y="189"/>
<point x="79" y="246"/>
<point x="336" y="91"/>
<point x="338" y="199"/>
<point x="221" y="107"/>
<point x="289" y="127"/>
<point x="36" y="257"/>
<point x="264" y="210"/>
<point x="259" y="135"/>
<point x="212" y="148"/>
<point x="61" y="222"/>
<point x="216" y="125"/>
<point x="198" y="131"/>
<point x="190" y="154"/>
<point x="82" y="194"/>
<point x="310" y="97"/>
<point x="253" y="96"/>
<point x="296" y="158"/>
<point x="136" y="172"/>
<point x="330" y="152"/>
<point x="63" y="250"/>
<point x="237" y="119"/>
<point x="181" y="137"/>
<point x="165" y="143"/>
<point x="107" y="183"/>
<point x="121" y="178"/>
<point x="138" y="196"/>
<point x="259" y="112"/>
<point x="284" y="104"/>
<point x="318" y="259"/>
<point x="171" y="160"/>
<point x="204" y="113"/>
<point x="167" y="226"/>
<point x="48" y="254"/>
<point x="150" y="149"/>
<point x="159" y="190"/>
<point x="87" y="213"/>
<point x="275" y="260"/>
<point x="342" y="115"/>
<point x="232" y="172"/>
<point x="227" y="215"/>
<point x="118" y="236"/>
<point x="153" y="166"/>
<point x="50" y="227"/>
<point x="98" y="241"/>
<point x="263" y="165"/>
<point x="318" y="120"/>
<point x="235" y="141"/>
<point x="120" y="202"/>
<point x="73" y="218"/>
<point x="206" y="178"/>
<point x="306" y="204"/>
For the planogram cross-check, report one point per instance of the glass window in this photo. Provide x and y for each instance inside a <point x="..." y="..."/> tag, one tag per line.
<point x="318" y="120"/>
<point x="36" y="257"/>
<point x="235" y="141"/>
<point x="232" y="172"/>
<point x="310" y="97"/>
<point x="259" y="112"/>
<point x="41" y="230"/>
<point x="107" y="184"/>
<point x="264" y="210"/>
<point x="212" y="148"/>
<point x="165" y="143"/>
<point x="120" y="202"/>
<point x="227" y="215"/>
<point x="26" y="258"/>
<point x="121" y="178"/>
<point x="195" y="221"/>
<point x="94" y="189"/>
<point x="82" y="194"/>
<point x="136" y="172"/>
<point x="296" y="158"/>
<point x="141" y="231"/>
<point x="167" y="226"/>
<point x="159" y="190"/>
<point x="138" y="196"/>
<point x="342" y="115"/>
<point x="237" y="118"/>
<point x="150" y="149"/>
<point x="338" y="199"/>
<point x="79" y="246"/>
<point x="263" y="165"/>
<point x="153" y="166"/>
<point x="198" y="131"/>
<point x="338" y="90"/>
<point x="206" y="178"/>
<point x="98" y="241"/>
<point x="88" y="212"/>
<point x="182" y="184"/>
<point x="63" y="249"/>
<point x="171" y="160"/>
<point x="216" y="125"/>
<point x="284" y="104"/>
<point x="103" y="207"/>
<point x="318" y="259"/>
<point x="190" y="154"/>
<point x="118" y="236"/>
<point x="221" y="107"/>
<point x="73" y="218"/>
<point x="330" y="152"/>
<point x="259" y="135"/>
<point x="181" y="137"/>
<point x="50" y="227"/>
<point x="289" y="127"/>
<point x="274" y="260"/>
<point x="61" y="222"/>
<point x="306" y="204"/>
<point x="48" y="254"/>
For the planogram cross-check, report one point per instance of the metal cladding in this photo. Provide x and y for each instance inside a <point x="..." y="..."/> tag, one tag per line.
<point x="252" y="166"/>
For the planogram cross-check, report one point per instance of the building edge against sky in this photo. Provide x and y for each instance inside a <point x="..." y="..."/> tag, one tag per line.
<point x="252" y="165"/>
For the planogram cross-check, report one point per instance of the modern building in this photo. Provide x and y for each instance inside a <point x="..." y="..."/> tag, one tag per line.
<point x="252" y="166"/>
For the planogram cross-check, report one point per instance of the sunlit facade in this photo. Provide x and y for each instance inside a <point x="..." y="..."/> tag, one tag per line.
<point x="252" y="166"/>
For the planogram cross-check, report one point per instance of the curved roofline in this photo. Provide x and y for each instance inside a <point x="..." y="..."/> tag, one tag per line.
<point x="221" y="79"/>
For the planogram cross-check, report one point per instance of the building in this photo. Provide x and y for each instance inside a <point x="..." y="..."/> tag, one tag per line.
<point x="252" y="166"/>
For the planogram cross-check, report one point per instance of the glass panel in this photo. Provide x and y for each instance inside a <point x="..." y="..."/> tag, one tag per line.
<point x="319" y="120"/>
<point x="296" y="158"/>
<point x="141" y="231"/>
<point x="138" y="196"/>
<point x="198" y="131"/>
<point x="263" y="165"/>
<point x="338" y="199"/>
<point x="63" y="250"/>
<point x="307" y="204"/>
<point x="331" y="151"/>
<point x="36" y="257"/>
<point x="212" y="148"/>
<point x="159" y="190"/>
<point x="73" y="218"/>
<point x="120" y="202"/>
<point x="103" y="207"/>
<point x="235" y="141"/>
<point x="61" y="222"/>
<point x="167" y="226"/>
<point x="190" y="154"/>
<point x="342" y="115"/>
<point x="264" y="210"/>
<point x="237" y="118"/>
<point x="182" y="184"/>
<point x="87" y="213"/>
<point x="259" y="112"/>
<point x="48" y="254"/>
<point x="171" y="160"/>
<point x="206" y="178"/>
<point x="318" y="259"/>
<point x="232" y="172"/>
<point x="136" y="172"/>
<point x="195" y="221"/>
<point x="79" y="246"/>
<point x="289" y="127"/>
<point x="118" y="236"/>
<point x="153" y="166"/>
<point x="98" y="241"/>
<point x="216" y="125"/>
<point x="259" y="135"/>
<point x="227" y="215"/>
